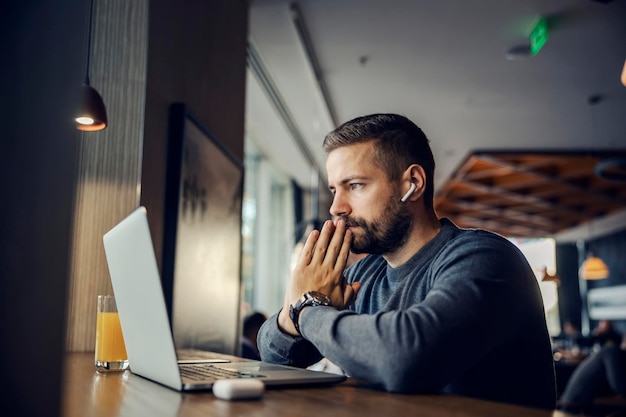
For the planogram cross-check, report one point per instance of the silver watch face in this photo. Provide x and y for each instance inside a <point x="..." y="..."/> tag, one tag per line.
<point x="318" y="297"/>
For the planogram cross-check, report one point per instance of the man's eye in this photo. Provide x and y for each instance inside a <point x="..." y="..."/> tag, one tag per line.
<point x="355" y="186"/>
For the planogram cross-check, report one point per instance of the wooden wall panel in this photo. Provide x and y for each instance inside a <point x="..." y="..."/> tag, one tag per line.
<point x="197" y="56"/>
<point x="110" y="160"/>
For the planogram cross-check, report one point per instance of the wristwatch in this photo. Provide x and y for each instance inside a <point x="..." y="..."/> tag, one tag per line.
<point x="308" y="299"/>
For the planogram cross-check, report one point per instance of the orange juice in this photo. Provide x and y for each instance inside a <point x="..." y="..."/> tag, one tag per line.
<point x="109" y="340"/>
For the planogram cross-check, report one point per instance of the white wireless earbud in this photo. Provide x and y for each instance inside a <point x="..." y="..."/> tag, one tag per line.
<point x="408" y="193"/>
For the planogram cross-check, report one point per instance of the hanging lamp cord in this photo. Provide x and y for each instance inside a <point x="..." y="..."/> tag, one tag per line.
<point x="89" y="43"/>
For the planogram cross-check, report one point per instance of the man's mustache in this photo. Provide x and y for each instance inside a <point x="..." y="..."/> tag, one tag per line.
<point x="351" y="222"/>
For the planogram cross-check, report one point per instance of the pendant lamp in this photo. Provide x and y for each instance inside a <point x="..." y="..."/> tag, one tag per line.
<point x="92" y="114"/>
<point x="612" y="169"/>
<point x="594" y="268"/>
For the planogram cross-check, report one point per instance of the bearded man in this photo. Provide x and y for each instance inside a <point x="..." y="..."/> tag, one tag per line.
<point x="432" y="308"/>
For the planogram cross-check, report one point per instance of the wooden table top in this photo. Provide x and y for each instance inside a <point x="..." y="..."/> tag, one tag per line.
<point x="121" y="394"/>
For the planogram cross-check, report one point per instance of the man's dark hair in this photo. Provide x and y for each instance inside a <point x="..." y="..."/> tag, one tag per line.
<point x="398" y="143"/>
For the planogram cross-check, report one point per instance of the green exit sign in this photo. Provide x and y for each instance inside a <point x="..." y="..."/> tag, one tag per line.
<point x="538" y="36"/>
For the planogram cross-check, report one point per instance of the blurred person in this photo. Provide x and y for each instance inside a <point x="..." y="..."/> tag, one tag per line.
<point x="251" y="325"/>
<point x="604" y="335"/>
<point x="570" y="339"/>
<point x="600" y="374"/>
<point x="570" y="330"/>
<point x="432" y="308"/>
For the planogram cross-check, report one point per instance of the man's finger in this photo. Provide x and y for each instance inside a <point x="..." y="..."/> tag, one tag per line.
<point x="350" y="293"/>
<point x="334" y="252"/>
<point x="325" y="235"/>
<point x="306" y="254"/>
<point x="344" y="252"/>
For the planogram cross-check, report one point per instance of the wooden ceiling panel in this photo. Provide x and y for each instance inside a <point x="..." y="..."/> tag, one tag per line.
<point x="529" y="194"/>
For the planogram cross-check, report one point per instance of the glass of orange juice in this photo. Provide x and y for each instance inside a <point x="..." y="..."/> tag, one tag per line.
<point x="110" y="349"/>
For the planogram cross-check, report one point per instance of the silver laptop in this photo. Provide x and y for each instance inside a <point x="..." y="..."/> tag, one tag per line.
<point x="146" y="327"/>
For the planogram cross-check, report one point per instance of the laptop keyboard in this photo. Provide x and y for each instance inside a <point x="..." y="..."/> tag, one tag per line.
<point x="213" y="373"/>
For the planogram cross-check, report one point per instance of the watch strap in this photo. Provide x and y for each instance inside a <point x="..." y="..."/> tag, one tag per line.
<point x="308" y="299"/>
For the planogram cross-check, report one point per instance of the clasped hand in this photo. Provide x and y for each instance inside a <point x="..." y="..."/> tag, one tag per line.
<point x="320" y="268"/>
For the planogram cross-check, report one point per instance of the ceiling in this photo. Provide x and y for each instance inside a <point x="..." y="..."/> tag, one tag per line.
<point x="530" y="194"/>
<point x="444" y="65"/>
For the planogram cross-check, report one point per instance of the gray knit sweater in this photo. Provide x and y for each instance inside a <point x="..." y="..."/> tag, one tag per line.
<point x="463" y="316"/>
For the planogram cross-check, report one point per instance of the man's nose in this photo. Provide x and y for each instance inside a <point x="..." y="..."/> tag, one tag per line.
<point x="339" y="207"/>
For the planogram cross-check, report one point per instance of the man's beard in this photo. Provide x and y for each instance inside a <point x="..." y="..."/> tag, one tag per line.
<point x="382" y="235"/>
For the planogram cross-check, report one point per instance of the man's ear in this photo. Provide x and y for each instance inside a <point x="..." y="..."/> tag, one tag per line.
<point x="413" y="183"/>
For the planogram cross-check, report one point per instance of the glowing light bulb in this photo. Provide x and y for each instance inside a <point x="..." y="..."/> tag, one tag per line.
<point x="84" y="120"/>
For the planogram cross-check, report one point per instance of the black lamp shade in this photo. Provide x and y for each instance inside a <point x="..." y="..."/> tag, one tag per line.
<point x="92" y="114"/>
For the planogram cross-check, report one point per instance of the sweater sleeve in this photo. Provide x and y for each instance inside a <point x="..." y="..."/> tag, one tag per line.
<point x="276" y="346"/>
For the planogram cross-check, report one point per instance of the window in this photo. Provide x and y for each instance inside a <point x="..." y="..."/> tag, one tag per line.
<point x="540" y="254"/>
<point x="267" y="231"/>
